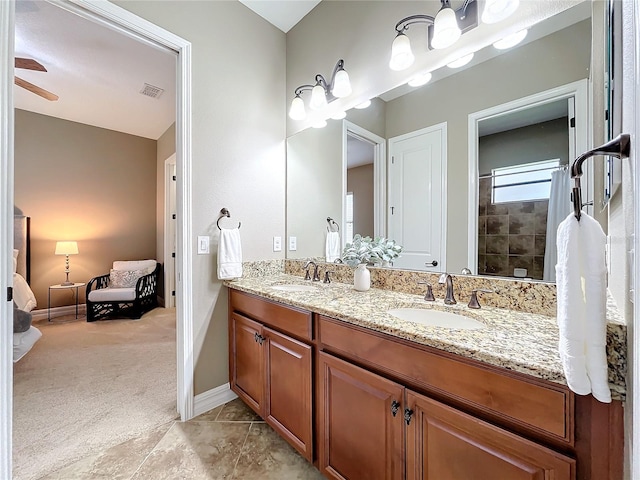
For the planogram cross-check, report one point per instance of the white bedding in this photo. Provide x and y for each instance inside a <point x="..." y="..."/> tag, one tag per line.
<point x="22" y="342"/>
<point x="22" y="293"/>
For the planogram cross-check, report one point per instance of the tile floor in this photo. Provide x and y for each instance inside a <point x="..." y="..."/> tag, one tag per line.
<point x="228" y="442"/>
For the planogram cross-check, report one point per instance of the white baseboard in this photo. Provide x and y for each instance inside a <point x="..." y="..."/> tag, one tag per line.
<point x="203" y="402"/>
<point x="59" y="312"/>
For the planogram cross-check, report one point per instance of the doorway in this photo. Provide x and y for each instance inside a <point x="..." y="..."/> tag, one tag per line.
<point x="124" y="22"/>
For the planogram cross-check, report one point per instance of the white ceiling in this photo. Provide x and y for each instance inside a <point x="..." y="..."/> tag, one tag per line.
<point x="96" y="72"/>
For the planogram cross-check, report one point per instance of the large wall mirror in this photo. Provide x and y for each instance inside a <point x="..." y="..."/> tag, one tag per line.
<point x="460" y="153"/>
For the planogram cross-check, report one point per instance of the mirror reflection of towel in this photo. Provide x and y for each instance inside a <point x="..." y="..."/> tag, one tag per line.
<point x="332" y="246"/>
<point x="229" y="254"/>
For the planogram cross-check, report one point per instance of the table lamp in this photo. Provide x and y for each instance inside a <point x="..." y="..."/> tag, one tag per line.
<point x="66" y="248"/>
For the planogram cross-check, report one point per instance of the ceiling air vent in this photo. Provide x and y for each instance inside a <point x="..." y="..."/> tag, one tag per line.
<point x="151" y="91"/>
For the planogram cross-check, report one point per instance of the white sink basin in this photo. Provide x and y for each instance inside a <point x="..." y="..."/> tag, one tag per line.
<point x="436" y="318"/>
<point x="294" y="288"/>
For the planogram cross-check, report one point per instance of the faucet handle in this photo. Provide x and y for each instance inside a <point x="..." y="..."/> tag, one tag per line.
<point x="307" y="276"/>
<point x="473" y="301"/>
<point x="429" y="295"/>
<point x="326" y="276"/>
<point x="316" y="275"/>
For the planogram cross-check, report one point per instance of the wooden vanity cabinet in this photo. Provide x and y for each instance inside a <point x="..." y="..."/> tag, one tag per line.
<point x="272" y="371"/>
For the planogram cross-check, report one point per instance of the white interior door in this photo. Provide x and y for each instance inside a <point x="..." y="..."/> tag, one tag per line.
<point x="417" y="198"/>
<point x="171" y="236"/>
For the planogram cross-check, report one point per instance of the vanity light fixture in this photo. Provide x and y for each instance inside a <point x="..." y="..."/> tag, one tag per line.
<point x="322" y="92"/>
<point x="461" y="62"/>
<point x="497" y="10"/>
<point x="420" y="79"/>
<point x="511" y="40"/>
<point x="364" y="104"/>
<point x="443" y="31"/>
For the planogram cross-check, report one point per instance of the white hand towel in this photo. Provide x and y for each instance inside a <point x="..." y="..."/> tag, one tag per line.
<point x="581" y="294"/>
<point x="332" y="246"/>
<point x="229" y="254"/>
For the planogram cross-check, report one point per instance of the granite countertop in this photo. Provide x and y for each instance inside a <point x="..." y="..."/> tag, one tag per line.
<point x="517" y="341"/>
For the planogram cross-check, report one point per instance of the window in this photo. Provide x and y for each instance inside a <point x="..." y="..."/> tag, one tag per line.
<point x="525" y="182"/>
<point x="348" y="234"/>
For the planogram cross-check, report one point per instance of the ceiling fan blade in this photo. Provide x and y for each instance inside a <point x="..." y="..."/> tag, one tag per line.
<point x="29" y="64"/>
<point x="35" y="89"/>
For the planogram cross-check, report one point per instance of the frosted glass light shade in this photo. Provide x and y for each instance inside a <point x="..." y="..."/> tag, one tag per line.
<point x="297" y="110"/>
<point x="66" y="248"/>
<point x="401" y="55"/>
<point x="420" y="79"/>
<point x="445" y="29"/>
<point x="510" y="40"/>
<point x="341" y="84"/>
<point x="497" y="10"/>
<point x="318" y="98"/>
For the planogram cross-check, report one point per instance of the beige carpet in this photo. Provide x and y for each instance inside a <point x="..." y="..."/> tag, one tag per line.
<point x="87" y="386"/>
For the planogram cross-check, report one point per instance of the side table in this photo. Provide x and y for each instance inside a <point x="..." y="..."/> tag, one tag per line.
<point x="62" y="287"/>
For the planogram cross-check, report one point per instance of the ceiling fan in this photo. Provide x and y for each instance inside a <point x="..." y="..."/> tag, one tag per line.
<point x="30" y="64"/>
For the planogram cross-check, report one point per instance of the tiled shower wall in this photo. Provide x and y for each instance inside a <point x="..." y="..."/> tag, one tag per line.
<point x="510" y="235"/>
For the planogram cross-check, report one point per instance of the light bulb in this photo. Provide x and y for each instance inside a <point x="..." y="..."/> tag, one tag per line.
<point x="419" y="79"/>
<point x="341" y="84"/>
<point x="461" y="62"/>
<point x="511" y="40"/>
<point x="401" y="54"/>
<point x="297" y="111"/>
<point x="318" y="98"/>
<point x="497" y="10"/>
<point x="364" y="104"/>
<point x="445" y="29"/>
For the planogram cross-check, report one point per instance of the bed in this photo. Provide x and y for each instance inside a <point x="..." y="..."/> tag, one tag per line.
<point x="23" y="296"/>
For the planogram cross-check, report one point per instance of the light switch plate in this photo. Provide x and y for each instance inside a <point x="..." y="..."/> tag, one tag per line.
<point x="293" y="244"/>
<point x="203" y="245"/>
<point x="277" y="244"/>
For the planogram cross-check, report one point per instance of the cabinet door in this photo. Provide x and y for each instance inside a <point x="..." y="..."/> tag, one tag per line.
<point x="288" y="404"/>
<point x="246" y="361"/>
<point x="360" y="438"/>
<point x="446" y="444"/>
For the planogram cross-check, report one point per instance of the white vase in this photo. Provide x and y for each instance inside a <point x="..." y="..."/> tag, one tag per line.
<point x="362" y="278"/>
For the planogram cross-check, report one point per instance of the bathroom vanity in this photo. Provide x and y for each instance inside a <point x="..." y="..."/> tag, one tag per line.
<point x="365" y="396"/>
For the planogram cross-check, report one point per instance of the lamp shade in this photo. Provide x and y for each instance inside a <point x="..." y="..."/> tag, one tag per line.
<point x="66" y="248"/>
<point x="497" y="10"/>
<point x="318" y="98"/>
<point x="445" y="29"/>
<point x="401" y="54"/>
<point x="341" y="84"/>
<point x="297" y="110"/>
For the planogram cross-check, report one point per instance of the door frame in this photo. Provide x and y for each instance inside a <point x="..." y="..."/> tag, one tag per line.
<point x="442" y="128"/>
<point x="125" y="22"/>
<point x="169" y="264"/>
<point x="379" y="176"/>
<point x="578" y="90"/>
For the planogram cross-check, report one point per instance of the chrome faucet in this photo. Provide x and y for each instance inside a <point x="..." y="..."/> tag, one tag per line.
<point x="316" y="276"/>
<point x="449" y="299"/>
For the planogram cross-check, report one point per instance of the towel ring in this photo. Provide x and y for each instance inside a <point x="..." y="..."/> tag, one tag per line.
<point x="618" y="147"/>
<point x="225" y="213"/>
<point x="331" y="223"/>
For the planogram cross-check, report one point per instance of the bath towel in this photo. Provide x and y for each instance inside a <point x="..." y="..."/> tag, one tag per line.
<point x="229" y="254"/>
<point x="332" y="246"/>
<point x="581" y="277"/>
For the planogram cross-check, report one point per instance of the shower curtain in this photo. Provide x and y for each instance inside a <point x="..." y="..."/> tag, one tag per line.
<point x="559" y="207"/>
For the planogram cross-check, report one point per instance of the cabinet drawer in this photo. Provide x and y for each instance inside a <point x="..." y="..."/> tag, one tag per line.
<point x="548" y="409"/>
<point x="288" y="319"/>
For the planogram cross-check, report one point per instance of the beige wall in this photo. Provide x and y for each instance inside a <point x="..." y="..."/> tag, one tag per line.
<point x="360" y="182"/>
<point x="88" y="184"/>
<point x="238" y="131"/>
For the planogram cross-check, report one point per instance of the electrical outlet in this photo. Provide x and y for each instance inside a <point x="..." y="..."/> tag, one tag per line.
<point x="293" y="244"/>
<point x="203" y="245"/>
<point x="277" y="244"/>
